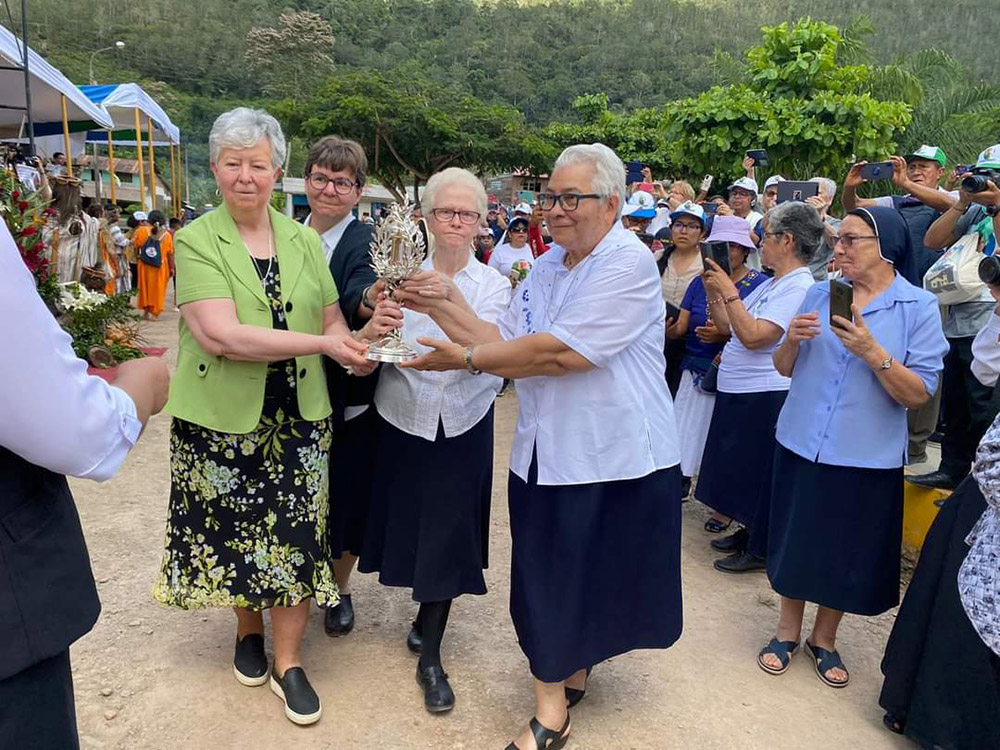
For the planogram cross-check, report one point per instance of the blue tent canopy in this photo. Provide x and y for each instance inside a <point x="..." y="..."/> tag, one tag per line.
<point x="120" y="100"/>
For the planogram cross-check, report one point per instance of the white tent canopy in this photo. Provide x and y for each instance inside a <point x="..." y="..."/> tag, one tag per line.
<point x="121" y="101"/>
<point x="48" y="86"/>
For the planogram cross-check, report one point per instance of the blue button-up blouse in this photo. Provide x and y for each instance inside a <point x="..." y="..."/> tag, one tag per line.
<point x="837" y="412"/>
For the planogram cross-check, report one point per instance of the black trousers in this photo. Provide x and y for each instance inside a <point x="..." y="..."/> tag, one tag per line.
<point x="37" y="711"/>
<point x="969" y="408"/>
<point x="674" y="351"/>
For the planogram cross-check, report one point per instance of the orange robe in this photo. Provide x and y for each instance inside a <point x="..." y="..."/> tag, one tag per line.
<point x="153" y="282"/>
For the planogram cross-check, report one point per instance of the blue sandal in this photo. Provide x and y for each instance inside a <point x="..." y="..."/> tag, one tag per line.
<point x="784" y="650"/>
<point x="825" y="661"/>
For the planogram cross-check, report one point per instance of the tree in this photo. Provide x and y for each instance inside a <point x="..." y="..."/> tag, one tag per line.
<point x="636" y="135"/>
<point x="411" y="128"/>
<point x="793" y="98"/>
<point x="293" y="57"/>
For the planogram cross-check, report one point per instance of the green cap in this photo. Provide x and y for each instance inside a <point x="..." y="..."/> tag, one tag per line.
<point x="931" y="153"/>
<point x="990" y="158"/>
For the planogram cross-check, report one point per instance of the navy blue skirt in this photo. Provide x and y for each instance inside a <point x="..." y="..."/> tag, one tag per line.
<point x="735" y="477"/>
<point x="429" y="525"/>
<point x="352" y="466"/>
<point x="835" y="534"/>
<point x="595" y="569"/>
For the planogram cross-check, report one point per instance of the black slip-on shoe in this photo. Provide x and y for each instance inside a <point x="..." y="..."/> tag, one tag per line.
<point x="938" y="480"/>
<point x="740" y="562"/>
<point x="339" y="620"/>
<point x="302" y="705"/>
<point x="735" y="542"/>
<point x="250" y="661"/>
<point x="438" y="695"/>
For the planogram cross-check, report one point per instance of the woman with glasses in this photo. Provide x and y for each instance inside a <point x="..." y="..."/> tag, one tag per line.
<point x="736" y="466"/>
<point x="837" y="499"/>
<point x="514" y="249"/>
<point x="428" y="528"/>
<point x="704" y="342"/>
<point x="594" y="472"/>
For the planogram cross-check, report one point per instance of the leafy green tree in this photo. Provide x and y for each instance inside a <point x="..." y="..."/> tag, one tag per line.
<point x="636" y="135"/>
<point x="799" y="103"/>
<point x="412" y="128"/>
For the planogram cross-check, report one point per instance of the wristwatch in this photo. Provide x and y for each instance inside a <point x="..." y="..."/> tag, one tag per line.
<point x="887" y="363"/>
<point x="364" y="299"/>
<point x="468" y="361"/>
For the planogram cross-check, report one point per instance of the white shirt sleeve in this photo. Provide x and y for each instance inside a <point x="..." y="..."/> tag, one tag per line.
<point x="781" y="308"/>
<point x="986" y="353"/>
<point x="495" y="299"/>
<point x="614" y="306"/>
<point x="884" y="201"/>
<point x="495" y="258"/>
<point x="52" y="413"/>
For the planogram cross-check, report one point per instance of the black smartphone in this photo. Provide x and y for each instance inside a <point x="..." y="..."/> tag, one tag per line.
<point x="710" y="208"/>
<point x="717" y="251"/>
<point x="673" y="312"/>
<point x="841" y="299"/>
<point x="878" y="170"/>
<point x="790" y="190"/>
<point x="759" y="157"/>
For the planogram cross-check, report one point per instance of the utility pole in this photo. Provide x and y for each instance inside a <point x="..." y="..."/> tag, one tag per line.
<point x="27" y="77"/>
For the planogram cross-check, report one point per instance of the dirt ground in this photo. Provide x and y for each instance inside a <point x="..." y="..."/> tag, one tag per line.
<point x="157" y="678"/>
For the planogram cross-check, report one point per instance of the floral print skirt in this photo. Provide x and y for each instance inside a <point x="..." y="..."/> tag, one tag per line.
<point x="247" y="525"/>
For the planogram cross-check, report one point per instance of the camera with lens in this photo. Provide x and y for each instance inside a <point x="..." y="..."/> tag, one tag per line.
<point x="975" y="181"/>
<point x="989" y="270"/>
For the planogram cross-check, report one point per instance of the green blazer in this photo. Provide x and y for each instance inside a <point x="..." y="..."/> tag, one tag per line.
<point x="227" y="395"/>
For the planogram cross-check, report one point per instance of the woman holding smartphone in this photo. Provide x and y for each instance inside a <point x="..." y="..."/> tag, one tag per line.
<point x="836" y="516"/>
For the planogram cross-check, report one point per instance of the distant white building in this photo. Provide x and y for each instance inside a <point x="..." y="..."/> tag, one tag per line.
<point x="374" y="198"/>
<point x="126" y="181"/>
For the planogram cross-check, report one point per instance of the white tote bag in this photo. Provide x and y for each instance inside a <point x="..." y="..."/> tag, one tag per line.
<point x="954" y="278"/>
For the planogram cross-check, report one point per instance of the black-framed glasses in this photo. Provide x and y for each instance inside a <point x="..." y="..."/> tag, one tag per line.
<point x="568" y="201"/>
<point x="341" y="185"/>
<point x="850" y="240"/>
<point x="519" y="230"/>
<point x="444" y="215"/>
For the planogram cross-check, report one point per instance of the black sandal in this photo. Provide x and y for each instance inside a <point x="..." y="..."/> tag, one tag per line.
<point x="546" y="739"/>
<point x="715" y="526"/>
<point x="574" y="696"/>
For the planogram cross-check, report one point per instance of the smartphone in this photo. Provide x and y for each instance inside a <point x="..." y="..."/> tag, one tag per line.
<point x="797" y="191"/>
<point x="710" y="208"/>
<point x="706" y="183"/>
<point x="673" y="312"/>
<point x="879" y="170"/>
<point x="841" y="299"/>
<point x="759" y="157"/>
<point x="717" y="251"/>
<point x="963" y="169"/>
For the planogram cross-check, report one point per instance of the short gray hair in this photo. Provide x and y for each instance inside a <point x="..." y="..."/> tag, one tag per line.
<point x="244" y="128"/>
<point x="800" y="221"/>
<point x="827" y="186"/>
<point x="458" y="177"/>
<point x="609" y="171"/>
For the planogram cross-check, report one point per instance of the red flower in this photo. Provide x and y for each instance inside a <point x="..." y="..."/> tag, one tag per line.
<point x="15" y="195"/>
<point x="28" y="231"/>
<point x="22" y="206"/>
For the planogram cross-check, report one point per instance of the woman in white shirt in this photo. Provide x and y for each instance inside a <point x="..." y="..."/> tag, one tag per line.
<point x="594" y="466"/>
<point x="428" y="527"/>
<point x="514" y="249"/>
<point x="735" y="477"/>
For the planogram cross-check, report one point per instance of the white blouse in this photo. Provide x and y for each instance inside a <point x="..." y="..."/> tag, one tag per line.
<point x="414" y="401"/>
<point x="615" y="421"/>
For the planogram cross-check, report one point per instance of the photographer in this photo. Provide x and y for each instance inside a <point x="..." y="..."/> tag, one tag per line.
<point x="918" y="174"/>
<point x="967" y="403"/>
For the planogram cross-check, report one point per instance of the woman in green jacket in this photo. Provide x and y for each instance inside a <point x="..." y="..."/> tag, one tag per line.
<point x="250" y="438"/>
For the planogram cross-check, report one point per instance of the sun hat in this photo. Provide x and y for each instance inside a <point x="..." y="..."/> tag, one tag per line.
<point x="731" y="229"/>
<point x="931" y="153"/>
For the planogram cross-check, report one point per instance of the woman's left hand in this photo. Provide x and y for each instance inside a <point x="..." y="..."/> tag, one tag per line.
<point x="428" y="287"/>
<point x="856" y="337"/>
<point x="446" y="355"/>
<point x="718" y="281"/>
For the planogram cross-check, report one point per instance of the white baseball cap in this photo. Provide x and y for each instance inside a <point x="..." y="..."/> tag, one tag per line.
<point x="773" y="180"/>
<point x="140" y="216"/>
<point x="523" y="208"/>
<point x="745" y="183"/>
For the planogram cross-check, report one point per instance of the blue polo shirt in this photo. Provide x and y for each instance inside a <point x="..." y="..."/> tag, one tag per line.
<point x="837" y="412"/>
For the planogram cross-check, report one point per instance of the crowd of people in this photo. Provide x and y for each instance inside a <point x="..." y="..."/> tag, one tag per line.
<point x="665" y="344"/>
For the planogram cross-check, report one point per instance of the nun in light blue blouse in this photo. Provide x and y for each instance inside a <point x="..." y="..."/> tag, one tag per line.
<point x="836" y="511"/>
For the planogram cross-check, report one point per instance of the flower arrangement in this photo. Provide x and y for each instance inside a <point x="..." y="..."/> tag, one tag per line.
<point x="519" y="271"/>
<point x="25" y="214"/>
<point x="96" y="320"/>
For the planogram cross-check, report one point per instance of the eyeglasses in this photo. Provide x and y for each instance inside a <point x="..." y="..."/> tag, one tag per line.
<point x="444" y="215"/>
<point x="341" y="185"/>
<point x="850" y="240"/>
<point x="568" y="201"/>
<point x="685" y="226"/>
<point x="521" y="230"/>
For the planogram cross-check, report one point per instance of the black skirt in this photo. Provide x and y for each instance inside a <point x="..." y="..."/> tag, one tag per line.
<point x="595" y="569"/>
<point x="835" y="534"/>
<point x="352" y="466"/>
<point x="735" y="477"/>
<point x="428" y="527"/>
<point x="941" y="680"/>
